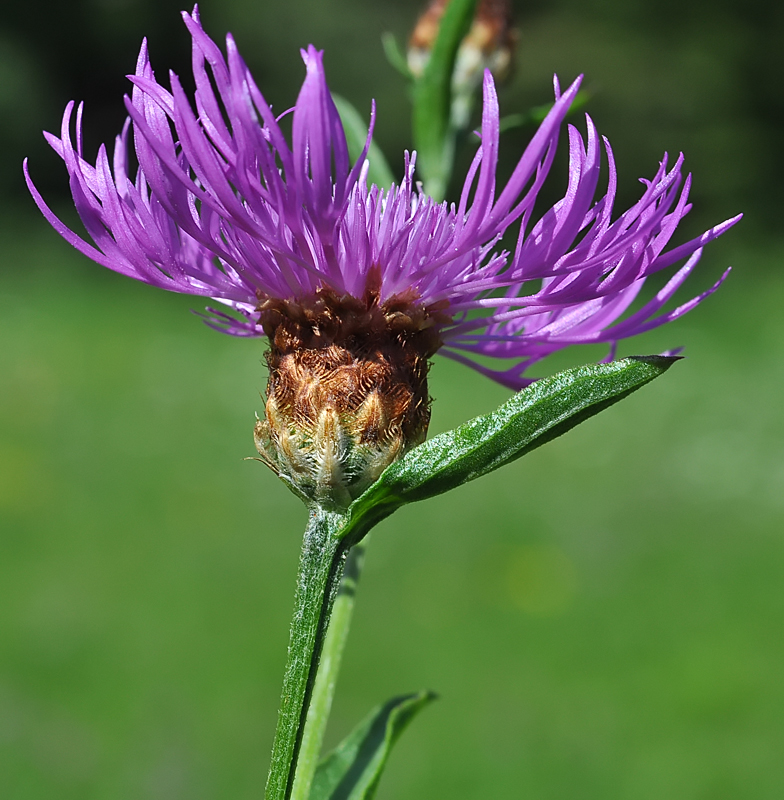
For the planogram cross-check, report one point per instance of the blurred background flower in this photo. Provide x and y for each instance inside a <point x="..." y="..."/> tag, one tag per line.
<point x="601" y="619"/>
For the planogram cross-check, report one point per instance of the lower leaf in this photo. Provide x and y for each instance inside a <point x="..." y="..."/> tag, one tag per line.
<point x="353" y="769"/>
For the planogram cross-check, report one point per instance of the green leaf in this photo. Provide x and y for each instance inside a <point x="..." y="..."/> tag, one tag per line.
<point x="537" y="414"/>
<point x="356" y="133"/>
<point x="395" y="55"/>
<point x="432" y="96"/>
<point x="352" y="771"/>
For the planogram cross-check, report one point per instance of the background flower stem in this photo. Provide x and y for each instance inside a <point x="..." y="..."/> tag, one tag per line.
<point x="320" y="571"/>
<point x="327" y="675"/>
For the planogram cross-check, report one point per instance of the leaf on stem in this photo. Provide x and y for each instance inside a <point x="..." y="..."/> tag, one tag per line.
<point x="534" y="416"/>
<point x="352" y="771"/>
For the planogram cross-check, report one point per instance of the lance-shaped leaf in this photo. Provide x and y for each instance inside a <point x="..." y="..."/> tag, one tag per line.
<point x="352" y="771"/>
<point x="537" y="414"/>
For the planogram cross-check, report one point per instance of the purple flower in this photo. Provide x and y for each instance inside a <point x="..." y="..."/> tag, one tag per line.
<point x="222" y="205"/>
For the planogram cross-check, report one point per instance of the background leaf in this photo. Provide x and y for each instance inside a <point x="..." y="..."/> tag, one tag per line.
<point x="395" y="55"/>
<point x="356" y="132"/>
<point x="352" y="771"/>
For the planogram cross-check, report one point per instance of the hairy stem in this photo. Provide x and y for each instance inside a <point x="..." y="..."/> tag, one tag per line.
<point x="320" y="571"/>
<point x="326" y="678"/>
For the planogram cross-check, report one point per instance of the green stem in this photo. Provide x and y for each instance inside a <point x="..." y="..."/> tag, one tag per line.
<point x="326" y="678"/>
<point x="434" y="136"/>
<point x="320" y="570"/>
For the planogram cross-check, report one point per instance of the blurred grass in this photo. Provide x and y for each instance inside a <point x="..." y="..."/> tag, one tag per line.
<point x="602" y="619"/>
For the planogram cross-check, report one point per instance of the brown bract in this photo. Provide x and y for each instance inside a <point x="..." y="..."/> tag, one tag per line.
<point x="347" y="390"/>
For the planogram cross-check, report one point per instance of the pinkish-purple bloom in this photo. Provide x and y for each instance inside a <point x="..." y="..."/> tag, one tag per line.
<point x="222" y="206"/>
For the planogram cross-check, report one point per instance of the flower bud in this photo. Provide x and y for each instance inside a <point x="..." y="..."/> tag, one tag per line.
<point x="489" y="45"/>
<point x="347" y="390"/>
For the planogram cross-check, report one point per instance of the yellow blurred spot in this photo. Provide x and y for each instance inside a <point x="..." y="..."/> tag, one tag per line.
<point x="541" y="580"/>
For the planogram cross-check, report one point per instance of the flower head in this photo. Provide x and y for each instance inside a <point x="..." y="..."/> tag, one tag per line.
<point x="356" y="286"/>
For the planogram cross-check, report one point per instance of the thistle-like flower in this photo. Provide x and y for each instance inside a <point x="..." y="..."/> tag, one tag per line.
<point x="356" y="287"/>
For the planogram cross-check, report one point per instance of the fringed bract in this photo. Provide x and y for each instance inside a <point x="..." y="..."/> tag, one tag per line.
<point x="347" y="390"/>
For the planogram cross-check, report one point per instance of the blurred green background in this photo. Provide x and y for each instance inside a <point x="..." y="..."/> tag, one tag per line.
<point x="602" y="619"/>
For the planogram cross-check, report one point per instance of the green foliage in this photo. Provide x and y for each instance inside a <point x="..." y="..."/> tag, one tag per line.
<point x="530" y="418"/>
<point x="395" y="55"/>
<point x="536" y="415"/>
<point x="353" y="769"/>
